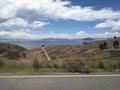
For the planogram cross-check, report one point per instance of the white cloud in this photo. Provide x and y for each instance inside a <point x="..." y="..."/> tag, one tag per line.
<point x="15" y="34"/>
<point x="14" y="22"/>
<point x="24" y="34"/>
<point x="21" y="22"/>
<point x="36" y="24"/>
<point x="114" y="24"/>
<point x="109" y="23"/>
<point x="80" y="33"/>
<point x="57" y="35"/>
<point x="30" y="13"/>
<point x="83" y="34"/>
<point x="55" y="9"/>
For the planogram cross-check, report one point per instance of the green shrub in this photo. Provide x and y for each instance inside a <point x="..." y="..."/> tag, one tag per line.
<point x="53" y="57"/>
<point x="36" y="63"/>
<point x="105" y="44"/>
<point x="82" y="51"/>
<point x="101" y="47"/>
<point x="101" y="65"/>
<point x="76" y="66"/>
<point x="13" y="55"/>
<point x="56" y="64"/>
<point x="2" y="50"/>
<point x="116" y="44"/>
<point x="1" y="63"/>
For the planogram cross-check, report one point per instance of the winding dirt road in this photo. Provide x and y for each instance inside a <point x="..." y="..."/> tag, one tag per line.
<point x="43" y="48"/>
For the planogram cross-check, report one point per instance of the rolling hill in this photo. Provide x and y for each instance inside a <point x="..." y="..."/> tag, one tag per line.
<point x="84" y="58"/>
<point x="85" y="51"/>
<point x="10" y="51"/>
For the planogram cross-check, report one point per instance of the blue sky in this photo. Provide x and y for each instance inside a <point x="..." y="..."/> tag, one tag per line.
<point x="36" y="19"/>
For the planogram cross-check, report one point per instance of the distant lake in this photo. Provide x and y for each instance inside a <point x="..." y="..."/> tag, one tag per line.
<point x="31" y="44"/>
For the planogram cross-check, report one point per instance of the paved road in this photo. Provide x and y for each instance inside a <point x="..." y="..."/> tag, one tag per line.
<point x="60" y="83"/>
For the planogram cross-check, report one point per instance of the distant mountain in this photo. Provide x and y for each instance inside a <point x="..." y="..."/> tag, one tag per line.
<point x="51" y="39"/>
<point x="64" y="39"/>
<point x="54" y="39"/>
<point x="88" y="39"/>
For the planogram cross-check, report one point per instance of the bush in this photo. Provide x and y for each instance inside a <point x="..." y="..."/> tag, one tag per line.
<point x="2" y="50"/>
<point x="116" y="44"/>
<point x="53" y="57"/>
<point x="76" y="66"/>
<point x="101" y="65"/>
<point x="103" y="46"/>
<point x="43" y="45"/>
<point x="36" y="63"/>
<point x="115" y="37"/>
<point x="13" y="55"/>
<point x="85" y="43"/>
<point x="1" y="63"/>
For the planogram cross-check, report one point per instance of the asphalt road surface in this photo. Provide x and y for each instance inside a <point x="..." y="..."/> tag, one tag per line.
<point x="60" y="83"/>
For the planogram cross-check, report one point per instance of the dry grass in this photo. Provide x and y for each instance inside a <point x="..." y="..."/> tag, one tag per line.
<point x="77" y="58"/>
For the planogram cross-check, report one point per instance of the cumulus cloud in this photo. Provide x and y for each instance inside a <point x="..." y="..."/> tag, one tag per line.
<point x="24" y="34"/>
<point x="57" y="35"/>
<point x="15" y="34"/>
<point x="54" y="9"/>
<point x="31" y="13"/>
<point x="114" y="24"/>
<point x="21" y="22"/>
<point x="14" y="22"/>
<point x="83" y="34"/>
<point x="109" y="23"/>
<point x="36" y="24"/>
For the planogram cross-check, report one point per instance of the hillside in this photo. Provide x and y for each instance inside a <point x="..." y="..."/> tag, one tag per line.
<point x="10" y="51"/>
<point x="84" y="51"/>
<point x="85" y="58"/>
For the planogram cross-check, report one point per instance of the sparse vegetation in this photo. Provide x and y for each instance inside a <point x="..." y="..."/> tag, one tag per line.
<point x="115" y="37"/>
<point x="80" y="66"/>
<point x="43" y="45"/>
<point x="103" y="46"/>
<point x="85" y="43"/>
<point x="116" y="44"/>
<point x="1" y="63"/>
<point x="15" y="55"/>
<point x="36" y="63"/>
<point x="80" y="58"/>
<point x="11" y="51"/>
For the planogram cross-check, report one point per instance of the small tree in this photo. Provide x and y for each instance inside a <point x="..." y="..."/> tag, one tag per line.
<point x="2" y="63"/>
<point x="85" y="43"/>
<point x="116" y="44"/>
<point x="36" y="63"/>
<point x="101" y="46"/>
<point x="105" y="44"/>
<point x="43" y="45"/>
<point x="13" y="55"/>
<point x="115" y="37"/>
<point x="101" y="65"/>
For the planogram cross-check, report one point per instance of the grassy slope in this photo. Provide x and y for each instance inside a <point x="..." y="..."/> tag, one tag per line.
<point x="6" y="48"/>
<point x="67" y="58"/>
<point x="77" y="58"/>
<point x="88" y="51"/>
